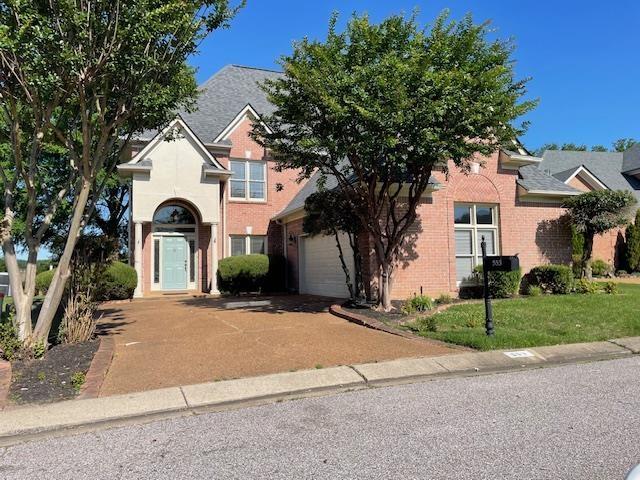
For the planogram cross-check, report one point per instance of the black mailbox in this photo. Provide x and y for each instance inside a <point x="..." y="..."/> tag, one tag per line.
<point x="500" y="263"/>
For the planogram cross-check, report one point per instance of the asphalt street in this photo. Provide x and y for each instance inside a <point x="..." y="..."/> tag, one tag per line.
<point x="571" y="422"/>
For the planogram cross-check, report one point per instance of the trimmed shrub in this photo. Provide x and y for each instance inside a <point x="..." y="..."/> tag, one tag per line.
<point x="502" y="284"/>
<point x="251" y="273"/>
<point x="600" y="268"/>
<point x="43" y="280"/>
<point x="557" y="279"/>
<point x="118" y="282"/>
<point x="632" y="245"/>
<point x="417" y="303"/>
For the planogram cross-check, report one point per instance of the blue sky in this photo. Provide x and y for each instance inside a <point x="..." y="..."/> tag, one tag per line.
<point x="583" y="56"/>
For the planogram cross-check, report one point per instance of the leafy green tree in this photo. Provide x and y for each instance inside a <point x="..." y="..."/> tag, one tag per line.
<point x="599" y="148"/>
<point x="380" y="106"/>
<point x="632" y="240"/>
<point x="86" y="75"/>
<point x="623" y="144"/>
<point x="597" y="212"/>
<point x="327" y="212"/>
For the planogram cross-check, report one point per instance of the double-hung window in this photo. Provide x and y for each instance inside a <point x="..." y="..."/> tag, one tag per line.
<point x="248" y="244"/>
<point x="472" y="223"/>
<point x="249" y="180"/>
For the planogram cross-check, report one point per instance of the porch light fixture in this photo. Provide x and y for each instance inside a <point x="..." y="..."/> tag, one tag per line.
<point x="292" y="240"/>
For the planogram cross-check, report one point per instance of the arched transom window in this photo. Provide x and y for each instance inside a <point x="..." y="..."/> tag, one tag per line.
<point x="173" y="215"/>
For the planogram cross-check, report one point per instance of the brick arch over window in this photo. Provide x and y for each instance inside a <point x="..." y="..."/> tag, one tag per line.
<point x="474" y="188"/>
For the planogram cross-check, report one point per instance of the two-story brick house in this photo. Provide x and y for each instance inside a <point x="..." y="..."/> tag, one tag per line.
<point x="202" y="190"/>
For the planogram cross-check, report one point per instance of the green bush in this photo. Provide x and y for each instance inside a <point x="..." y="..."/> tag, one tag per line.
<point x="586" y="287"/>
<point x="118" y="282"/>
<point x="502" y="284"/>
<point x="417" y="303"/>
<point x="251" y="273"/>
<point x="632" y="245"/>
<point x="556" y="279"/>
<point x="534" y="291"/>
<point x="43" y="280"/>
<point x="444" y="299"/>
<point x="10" y="346"/>
<point x="600" y="268"/>
<point x="610" y="288"/>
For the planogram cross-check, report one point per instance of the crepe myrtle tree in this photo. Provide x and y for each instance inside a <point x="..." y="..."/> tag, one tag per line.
<point x="379" y="106"/>
<point x="597" y="212"/>
<point x="86" y="75"/>
<point x="327" y="212"/>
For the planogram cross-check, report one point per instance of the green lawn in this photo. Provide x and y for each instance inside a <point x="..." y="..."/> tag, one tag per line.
<point x="544" y="320"/>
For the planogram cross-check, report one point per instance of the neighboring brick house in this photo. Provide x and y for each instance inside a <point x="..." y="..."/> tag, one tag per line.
<point x="210" y="191"/>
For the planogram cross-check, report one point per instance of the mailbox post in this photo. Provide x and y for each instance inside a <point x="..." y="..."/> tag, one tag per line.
<point x="488" y="310"/>
<point x="494" y="264"/>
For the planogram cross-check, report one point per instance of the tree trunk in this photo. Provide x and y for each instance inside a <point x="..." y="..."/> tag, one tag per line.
<point x="344" y="266"/>
<point x="586" y="256"/>
<point x="56" y="289"/>
<point x="357" y="266"/>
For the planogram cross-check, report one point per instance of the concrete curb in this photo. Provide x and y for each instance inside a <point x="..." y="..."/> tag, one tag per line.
<point x="98" y="369"/>
<point x="5" y="383"/>
<point x="24" y="423"/>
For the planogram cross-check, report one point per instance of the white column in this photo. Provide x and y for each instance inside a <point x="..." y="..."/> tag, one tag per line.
<point x="214" y="258"/>
<point x="137" y="241"/>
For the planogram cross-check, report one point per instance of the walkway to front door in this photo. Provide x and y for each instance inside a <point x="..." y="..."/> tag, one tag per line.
<point x="168" y="342"/>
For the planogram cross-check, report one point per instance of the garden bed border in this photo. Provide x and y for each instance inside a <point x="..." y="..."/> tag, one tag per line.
<point x="98" y="369"/>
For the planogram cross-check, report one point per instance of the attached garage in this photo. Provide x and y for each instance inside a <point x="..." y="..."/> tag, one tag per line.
<point x="320" y="268"/>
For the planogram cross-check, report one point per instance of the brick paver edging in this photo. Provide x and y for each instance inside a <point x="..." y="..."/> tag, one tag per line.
<point x="98" y="369"/>
<point x="5" y="383"/>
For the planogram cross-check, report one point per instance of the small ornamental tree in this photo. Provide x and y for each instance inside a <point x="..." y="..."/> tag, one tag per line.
<point x="328" y="213"/>
<point x="597" y="212"/>
<point x="86" y="75"/>
<point x="380" y="106"/>
<point x="632" y="239"/>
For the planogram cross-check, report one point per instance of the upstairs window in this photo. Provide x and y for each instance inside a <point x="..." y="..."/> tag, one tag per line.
<point x="248" y="181"/>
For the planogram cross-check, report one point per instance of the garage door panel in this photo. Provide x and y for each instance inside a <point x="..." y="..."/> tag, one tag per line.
<point x="320" y="268"/>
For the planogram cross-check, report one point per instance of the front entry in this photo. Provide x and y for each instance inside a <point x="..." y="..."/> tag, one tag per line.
<point x="174" y="263"/>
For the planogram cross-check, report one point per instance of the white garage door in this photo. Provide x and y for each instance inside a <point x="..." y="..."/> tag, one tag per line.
<point x="320" y="268"/>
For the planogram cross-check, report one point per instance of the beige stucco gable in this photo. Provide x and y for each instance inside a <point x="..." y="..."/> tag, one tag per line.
<point x="175" y="166"/>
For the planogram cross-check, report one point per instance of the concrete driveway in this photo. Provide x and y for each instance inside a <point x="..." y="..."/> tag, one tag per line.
<point x="175" y="341"/>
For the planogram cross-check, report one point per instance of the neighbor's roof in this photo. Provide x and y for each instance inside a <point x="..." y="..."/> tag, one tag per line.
<point x="534" y="179"/>
<point x="605" y="166"/>
<point x="222" y="97"/>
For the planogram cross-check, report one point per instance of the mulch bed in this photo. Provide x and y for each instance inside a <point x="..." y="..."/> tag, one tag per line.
<point x="49" y="379"/>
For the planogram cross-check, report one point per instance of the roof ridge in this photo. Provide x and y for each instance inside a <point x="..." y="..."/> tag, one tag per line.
<point x="255" y="68"/>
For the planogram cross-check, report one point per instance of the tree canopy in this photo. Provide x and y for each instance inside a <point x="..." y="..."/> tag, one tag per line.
<point x="379" y="106"/>
<point x="85" y="75"/>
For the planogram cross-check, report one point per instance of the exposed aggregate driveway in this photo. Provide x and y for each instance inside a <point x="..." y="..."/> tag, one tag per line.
<point x="165" y="342"/>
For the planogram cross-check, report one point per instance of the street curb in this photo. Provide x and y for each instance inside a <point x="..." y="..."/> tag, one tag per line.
<point x="5" y="383"/>
<point x="98" y="369"/>
<point x="25" y="423"/>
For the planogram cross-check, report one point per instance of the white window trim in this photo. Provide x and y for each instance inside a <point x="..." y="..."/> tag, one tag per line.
<point x="247" y="181"/>
<point x="247" y="243"/>
<point x="157" y="286"/>
<point x="476" y="254"/>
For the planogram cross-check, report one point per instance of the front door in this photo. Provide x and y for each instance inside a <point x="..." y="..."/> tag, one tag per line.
<point x="174" y="263"/>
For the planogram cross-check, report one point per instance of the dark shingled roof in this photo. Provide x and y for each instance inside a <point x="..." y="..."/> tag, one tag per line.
<point x="606" y="166"/>
<point x="223" y="97"/>
<point x="631" y="158"/>
<point x="534" y="179"/>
